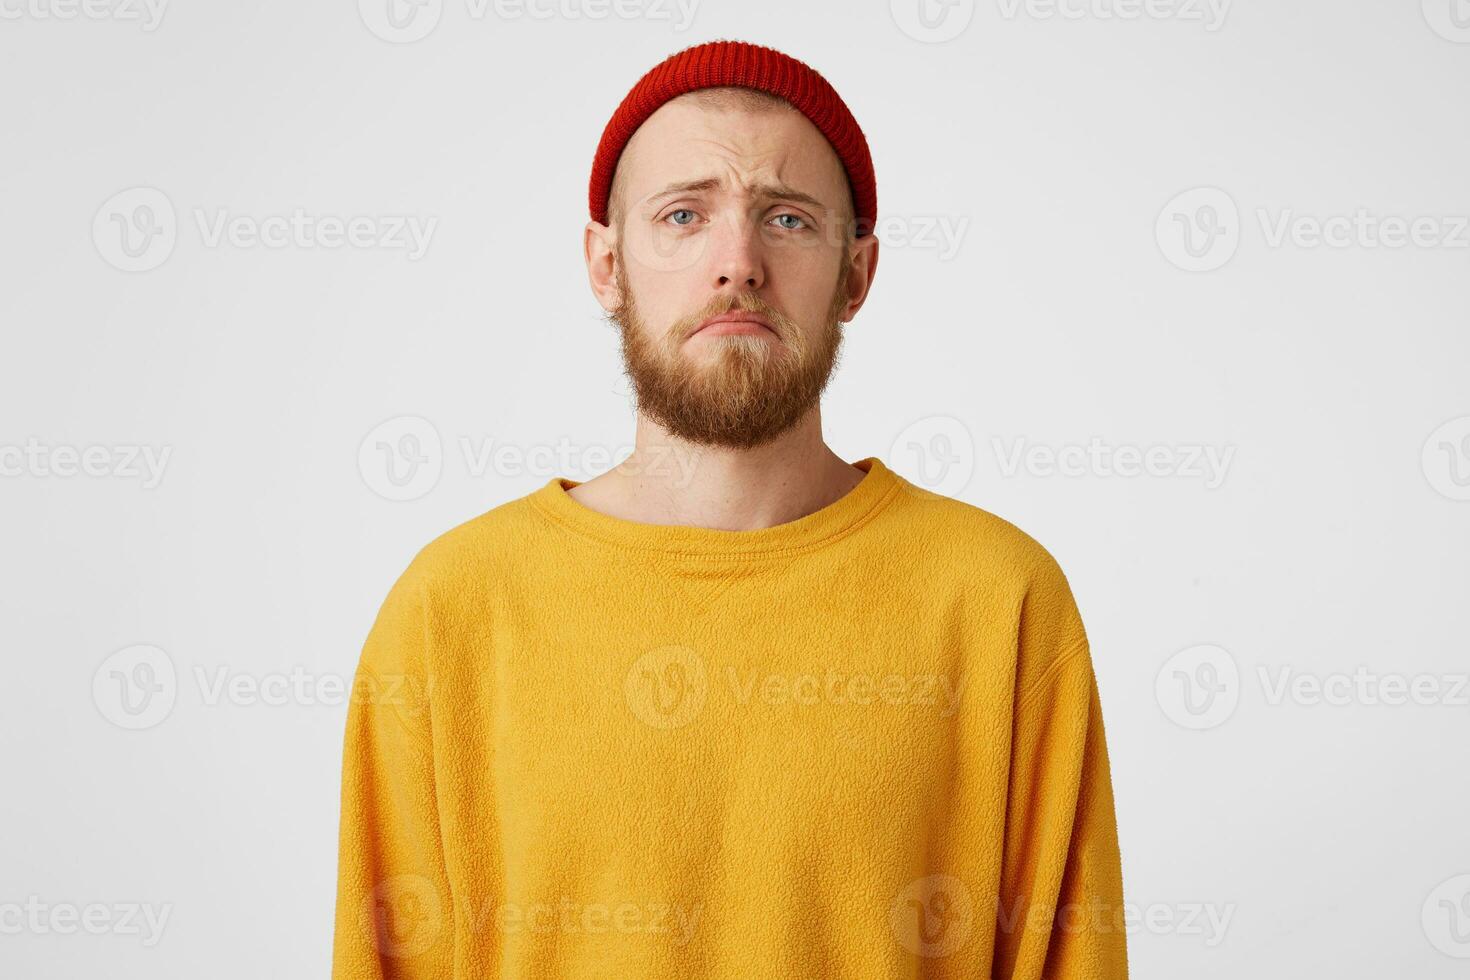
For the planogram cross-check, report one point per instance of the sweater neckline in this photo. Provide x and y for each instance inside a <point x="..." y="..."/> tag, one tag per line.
<point x="844" y="515"/>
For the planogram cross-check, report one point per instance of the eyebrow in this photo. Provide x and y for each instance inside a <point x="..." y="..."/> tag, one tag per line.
<point x="780" y="191"/>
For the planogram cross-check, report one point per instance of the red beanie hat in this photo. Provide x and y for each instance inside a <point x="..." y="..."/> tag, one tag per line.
<point x="718" y="63"/>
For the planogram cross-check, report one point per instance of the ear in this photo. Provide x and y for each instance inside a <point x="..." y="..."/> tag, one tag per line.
<point x="863" y="266"/>
<point x="598" y="249"/>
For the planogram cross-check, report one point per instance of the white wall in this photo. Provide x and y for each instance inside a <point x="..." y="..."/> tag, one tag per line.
<point x="1326" y="541"/>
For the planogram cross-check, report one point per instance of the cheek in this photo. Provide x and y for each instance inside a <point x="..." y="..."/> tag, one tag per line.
<point x="664" y="252"/>
<point x="661" y="297"/>
<point x="802" y="281"/>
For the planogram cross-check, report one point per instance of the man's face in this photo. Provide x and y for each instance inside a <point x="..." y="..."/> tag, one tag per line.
<point x="761" y="231"/>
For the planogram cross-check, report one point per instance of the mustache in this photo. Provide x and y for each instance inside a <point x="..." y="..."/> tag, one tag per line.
<point x="744" y="303"/>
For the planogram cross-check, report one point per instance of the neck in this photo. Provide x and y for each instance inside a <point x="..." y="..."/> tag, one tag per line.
<point x="669" y="481"/>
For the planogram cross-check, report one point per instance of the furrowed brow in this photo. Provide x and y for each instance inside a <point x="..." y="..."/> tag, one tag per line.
<point x="780" y="192"/>
<point x="685" y="187"/>
<point x="765" y="191"/>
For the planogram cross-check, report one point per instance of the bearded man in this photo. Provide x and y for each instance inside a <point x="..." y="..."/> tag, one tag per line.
<point x="764" y="713"/>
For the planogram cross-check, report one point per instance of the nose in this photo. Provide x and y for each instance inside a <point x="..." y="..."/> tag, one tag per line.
<point x="737" y="259"/>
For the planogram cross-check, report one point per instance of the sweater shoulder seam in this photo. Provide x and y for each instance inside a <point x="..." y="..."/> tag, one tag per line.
<point x="1077" y="649"/>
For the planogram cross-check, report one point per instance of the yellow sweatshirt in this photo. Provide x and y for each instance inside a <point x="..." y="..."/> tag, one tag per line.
<point x="863" y="744"/>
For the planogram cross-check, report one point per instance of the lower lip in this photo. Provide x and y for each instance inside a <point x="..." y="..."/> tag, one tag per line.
<point x="731" y="327"/>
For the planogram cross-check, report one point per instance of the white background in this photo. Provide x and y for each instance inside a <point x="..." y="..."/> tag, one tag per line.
<point x="1330" y="836"/>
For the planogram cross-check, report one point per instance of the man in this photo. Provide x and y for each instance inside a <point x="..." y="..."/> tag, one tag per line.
<point x="736" y="708"/>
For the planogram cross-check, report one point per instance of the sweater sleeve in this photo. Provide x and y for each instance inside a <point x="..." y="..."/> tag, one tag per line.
<point x="1060" y="907"/>
<point x="394" y="915"/>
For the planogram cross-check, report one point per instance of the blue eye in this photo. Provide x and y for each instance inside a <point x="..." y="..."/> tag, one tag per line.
<point x="799" y="223"/>
<point x="681" y="224"/>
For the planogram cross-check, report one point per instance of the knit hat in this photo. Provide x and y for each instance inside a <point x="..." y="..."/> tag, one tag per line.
<point x="718" y="63"/>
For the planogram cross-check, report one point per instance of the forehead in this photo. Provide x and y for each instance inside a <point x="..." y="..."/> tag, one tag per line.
<point x="684" y="141"/>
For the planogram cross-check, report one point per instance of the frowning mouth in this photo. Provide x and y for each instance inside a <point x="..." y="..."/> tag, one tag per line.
<point x="735" y="322"/>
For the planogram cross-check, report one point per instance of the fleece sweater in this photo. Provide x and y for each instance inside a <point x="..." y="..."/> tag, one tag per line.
<point x="866" y="743"/>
